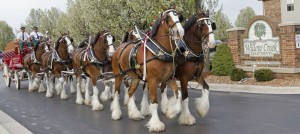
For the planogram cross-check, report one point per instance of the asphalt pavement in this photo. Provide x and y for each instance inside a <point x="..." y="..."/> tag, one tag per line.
<point x="230" y="113"/>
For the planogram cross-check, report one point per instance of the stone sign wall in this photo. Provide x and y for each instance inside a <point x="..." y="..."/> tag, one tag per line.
<point x="265" y="43"/>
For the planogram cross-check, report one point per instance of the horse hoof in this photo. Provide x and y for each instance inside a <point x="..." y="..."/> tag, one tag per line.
<point x="79" y="102"/>
<point x="97" y="107"/>
<point x="155" y="125"/>
<point x="187" y="120"/>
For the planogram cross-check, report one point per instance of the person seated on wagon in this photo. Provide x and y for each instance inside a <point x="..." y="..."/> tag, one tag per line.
<point x="36" y="36"/>
<point x="23" y="38"/>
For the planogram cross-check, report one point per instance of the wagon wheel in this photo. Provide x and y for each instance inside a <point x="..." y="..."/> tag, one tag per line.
<point x="17" y="80"/>
<point x="6" y="75"/>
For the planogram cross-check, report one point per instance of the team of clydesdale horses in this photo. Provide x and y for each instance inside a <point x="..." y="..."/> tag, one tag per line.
<point x="166" y="53"/>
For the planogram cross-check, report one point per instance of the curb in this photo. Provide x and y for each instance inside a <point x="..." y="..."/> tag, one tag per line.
<point x="248" y="88"/>
<point x="10" y="126"/>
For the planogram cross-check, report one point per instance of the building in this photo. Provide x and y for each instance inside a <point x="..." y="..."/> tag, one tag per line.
<point x="271" y="40"/>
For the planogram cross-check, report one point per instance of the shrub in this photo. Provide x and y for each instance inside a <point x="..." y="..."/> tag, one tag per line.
<point x="237" y="74"/>
<point x="263" y="75"/>
<point x="222" y="64"/>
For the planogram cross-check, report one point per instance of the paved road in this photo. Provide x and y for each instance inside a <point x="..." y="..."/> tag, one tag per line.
<point x="230" y="113"/>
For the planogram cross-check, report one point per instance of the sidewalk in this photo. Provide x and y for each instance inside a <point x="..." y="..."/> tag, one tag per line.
<point x="248" y="88"/>
<point x="9" y="126"/>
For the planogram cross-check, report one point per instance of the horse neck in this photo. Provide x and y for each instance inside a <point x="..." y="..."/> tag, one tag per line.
<point x="99" y="50"/>
<point x="162" y="37"/>
<point x="193" y="41"/>
<point x="62" y="51"/>
<point x="39" y="52"/>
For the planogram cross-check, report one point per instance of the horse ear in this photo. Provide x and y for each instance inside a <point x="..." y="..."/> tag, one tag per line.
<point x="207" y="12"/>
<point x="68" y="32"/>
<point x="173" y="6"/>
<point x="61" y="33"/>
<point x="114" y="39"/>
<point x="164" y="8"/>
<point x="181" y="18"/>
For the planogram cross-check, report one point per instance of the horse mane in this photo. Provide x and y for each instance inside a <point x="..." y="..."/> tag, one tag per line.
<point x="191" y="21"/>
<point x="125" y="37"/>
<point x="95" y="39"/>
<point x="83" y="43"/>
<point x="57" y="42"/>
<point x="155" y="26"/>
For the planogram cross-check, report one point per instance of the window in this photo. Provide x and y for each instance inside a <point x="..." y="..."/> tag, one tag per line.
<point x="290" y="7"/>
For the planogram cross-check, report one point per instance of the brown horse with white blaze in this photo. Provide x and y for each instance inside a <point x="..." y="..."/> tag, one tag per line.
<point x="158" y="62"/>
<point x="32" y="65"/>
<point x="199" y="37"/>
<point x="93" y="61"/>
<point x="56" y="61"/>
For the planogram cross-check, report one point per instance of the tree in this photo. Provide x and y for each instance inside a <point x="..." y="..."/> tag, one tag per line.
<point x="223" y="23"/>
<point x="243" y="18"/>
<point x="6" y="34"/>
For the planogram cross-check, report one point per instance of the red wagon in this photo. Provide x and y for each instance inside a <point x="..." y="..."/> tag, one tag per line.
<point x="12" y="64"/>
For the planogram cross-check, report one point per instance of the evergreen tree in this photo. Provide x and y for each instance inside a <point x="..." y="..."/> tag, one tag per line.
<point x="222" y="64"/>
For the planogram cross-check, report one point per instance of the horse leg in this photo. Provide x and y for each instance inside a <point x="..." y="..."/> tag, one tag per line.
<point x="154" y="123"/>
<point x="58" y="87"/>
<point x="30" y="82"/>
<point x="83" y="84"/>
<point x="52" y="82"/>
<point x="49" y="94"/>
<point x="79" y="99"/>
<point x="87" y="99"/>
<point x="164" y="98"/>
<point x="41" y="87"/>
<point x="126" y="87"/>
<point x="133" y="111"/>
<point x="174" y="102"/>
<point x="63" y="94"/>
<point x="202" y="103"/>
<point x="96" y="105"/>
<point x="72" y="88"/>
<point x="145" y="110"/>
<point x="105" y="95"/>
<point x="115" y="104"/>
<point x="185" y="118"/>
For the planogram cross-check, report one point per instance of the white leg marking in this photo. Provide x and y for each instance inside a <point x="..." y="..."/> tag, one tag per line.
<point x="164" y="101"/>
<point x="186" y="118"/>
<point x="83" y="85"/>
<point x="58" y="87"/>
<point x="126" y="96"/>
<point x="96" y="105"/>
<point x="105" y="95"/>
<point x="154" y="123"/>
<point x="79" y="99"/>
<point x="72" y="88"/>
<point x="49" y="94"/>
<point x="115" y="108"/>
<point x="41" y="87"/>
<point x="145" y="110"/>
<point x="63" y="94"/>
<point x="87" y="99"/>
<point x="133" y="111"/>
<point x="202" y="103"/>
<point x="174" y="106"/>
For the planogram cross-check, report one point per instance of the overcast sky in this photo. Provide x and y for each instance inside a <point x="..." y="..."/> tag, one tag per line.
<point x="15" y="12"/>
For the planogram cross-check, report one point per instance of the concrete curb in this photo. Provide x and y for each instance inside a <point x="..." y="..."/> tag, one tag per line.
<point x="248" y="88"/>
<point x="10" y="126"/>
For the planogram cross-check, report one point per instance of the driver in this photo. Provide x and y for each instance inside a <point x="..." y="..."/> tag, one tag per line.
<point x="36" y="36"/>
<point x="23" y="38"/>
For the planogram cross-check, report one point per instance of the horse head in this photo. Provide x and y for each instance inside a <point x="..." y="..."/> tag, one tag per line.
<point x="106" y="40"/>
<point x="65" y="41"/>
<point x="172" y="20"/>
<point x="203" y="28"/>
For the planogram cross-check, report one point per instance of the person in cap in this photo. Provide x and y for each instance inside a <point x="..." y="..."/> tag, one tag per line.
<point x="36" y="36"/>
<point x="23" y="38"/>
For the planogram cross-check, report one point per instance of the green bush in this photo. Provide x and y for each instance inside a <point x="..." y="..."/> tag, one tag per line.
<point x="237" y="74"/>
<point x="222" y="64"/>
<point x="263" y="75"/>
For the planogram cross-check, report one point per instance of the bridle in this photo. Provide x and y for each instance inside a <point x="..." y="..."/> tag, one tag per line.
<point x="209" y="23"/>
